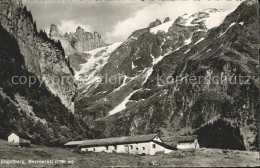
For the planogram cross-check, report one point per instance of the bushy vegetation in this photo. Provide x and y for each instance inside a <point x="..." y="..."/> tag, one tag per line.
<point x="220" y="134"/>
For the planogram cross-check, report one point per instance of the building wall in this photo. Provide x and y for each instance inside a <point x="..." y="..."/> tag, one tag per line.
<point x="148" y="148"/>
<point x="186" y="145"/>
<point x="13" y="138"/>
<point x="156" y="148"/>
<point x="95" y="149"/>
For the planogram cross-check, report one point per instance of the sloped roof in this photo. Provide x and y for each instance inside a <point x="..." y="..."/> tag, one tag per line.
<point x="169" y="139"/>
<point x="118" y="140"/>
<point x="168" y="146"/>
<point x="175" y="139"/>
<point x="189" y="138"/>
<point x="21" y="135"/>
<point x="72" y="143"/>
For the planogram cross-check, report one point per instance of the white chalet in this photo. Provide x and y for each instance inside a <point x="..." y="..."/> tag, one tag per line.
<point x="139" y="144"/>
<point x="16" y="139"/>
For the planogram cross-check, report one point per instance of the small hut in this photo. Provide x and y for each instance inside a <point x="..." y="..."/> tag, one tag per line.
<point x="19" y="139"/>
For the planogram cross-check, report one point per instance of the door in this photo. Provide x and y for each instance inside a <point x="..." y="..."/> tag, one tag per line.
<point x="126" y="148"/>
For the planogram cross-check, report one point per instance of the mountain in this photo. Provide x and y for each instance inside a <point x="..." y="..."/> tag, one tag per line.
<point x="42" y="56"/>
<point x="157" y="81"/>
<point x="129" y="94"/>
<point x="80" y="41"/>
<point x="43" y="107"/>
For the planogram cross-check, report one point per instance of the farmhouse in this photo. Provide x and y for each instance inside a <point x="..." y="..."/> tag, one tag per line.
<point x="139" y="144"/>
<point x="16" y="139"/>
<point x="182" y="142"/>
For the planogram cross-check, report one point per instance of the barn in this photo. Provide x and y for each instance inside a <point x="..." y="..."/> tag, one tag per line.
<point x="18" y="139"/>
<point x="139" y="144"/>
<point x="182" y="142"/>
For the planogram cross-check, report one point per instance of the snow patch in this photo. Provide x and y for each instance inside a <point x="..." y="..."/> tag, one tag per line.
<point x="162" y="27"/>
<point x="123" y="84"/>
<point x="122" y="105"/>
<point x="200" y="40"/>
<point x="156" y="60"/>
<point x="133" y="66"/>
<point x="187" y="51"/>
<point x="148" y="74"/>
<point x="188" y="41"/>
<point x="232" y="24"/>
<point x="208" y="50"/>
<point x="95" y="63"/>
<point x="211" y="17"/>
<point x="216" y="19"/>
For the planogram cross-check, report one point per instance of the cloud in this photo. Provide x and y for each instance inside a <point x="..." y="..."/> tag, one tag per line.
<point x="160" y="10"/>
<point x="71" y="26"/>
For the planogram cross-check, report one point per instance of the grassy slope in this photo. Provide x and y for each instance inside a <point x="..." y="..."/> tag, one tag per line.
<point x="200" y="157"/>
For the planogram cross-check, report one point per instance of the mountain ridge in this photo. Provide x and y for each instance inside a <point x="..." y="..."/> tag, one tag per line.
<point x="79" y="41"/>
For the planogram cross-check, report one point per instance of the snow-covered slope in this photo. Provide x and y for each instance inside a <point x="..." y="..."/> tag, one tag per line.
<point x="211" y="17"/>
<point x="97" y="60"/>
<point x="88" y="76"/>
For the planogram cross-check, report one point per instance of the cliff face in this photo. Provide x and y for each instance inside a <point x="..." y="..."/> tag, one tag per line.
<point x="40" y="110"/>
<point x="42" y="56"/>
<point x="192" y="45"/>
<point x="80" y="41"/>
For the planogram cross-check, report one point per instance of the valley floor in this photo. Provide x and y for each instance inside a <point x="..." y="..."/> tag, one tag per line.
<point x="199" y="157"/>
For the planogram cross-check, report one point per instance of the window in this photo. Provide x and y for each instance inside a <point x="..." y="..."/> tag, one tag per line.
<point x="131" y="147"/>
<point x="143" y="148"/>
<point x="115" y="147"/>
<point x="94" y="149"/>
<point x="154" y="146"/>
<point x="106" y="147"/>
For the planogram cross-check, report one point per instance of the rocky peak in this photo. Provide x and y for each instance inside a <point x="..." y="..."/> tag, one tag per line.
<point x="166" y="20"/>
<point x="55" y="32"/>
<point x="79" y="29"/>
<point x="79" y="41"/>
<point x="155" y="23"/>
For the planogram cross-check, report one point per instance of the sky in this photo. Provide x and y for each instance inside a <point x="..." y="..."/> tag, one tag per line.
<point x="114" y="20"/>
